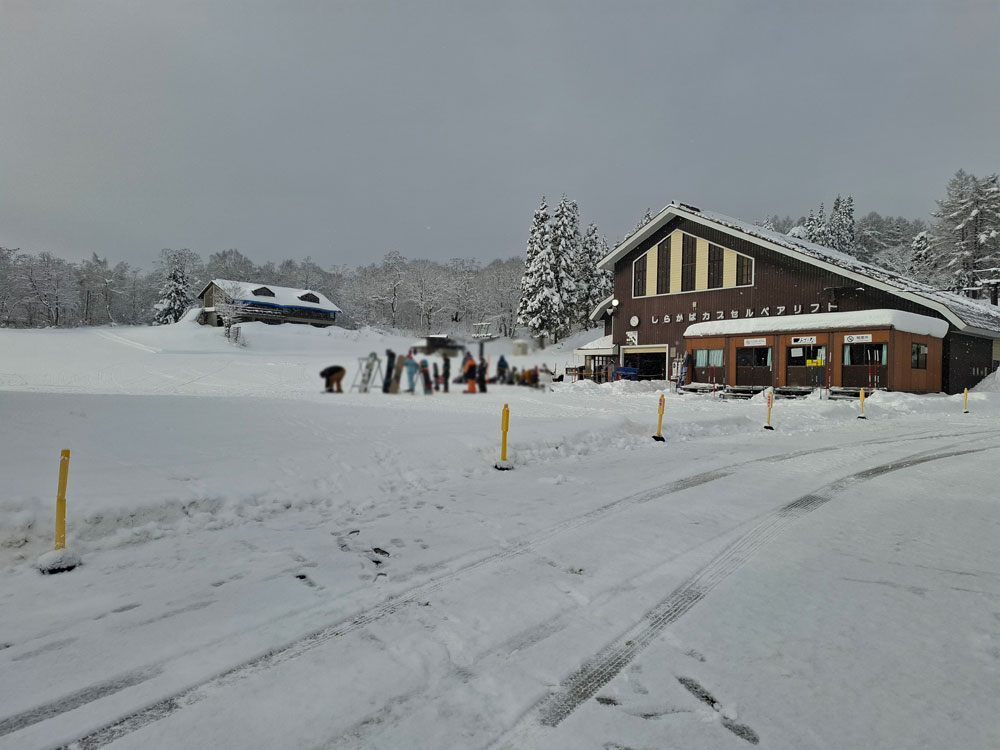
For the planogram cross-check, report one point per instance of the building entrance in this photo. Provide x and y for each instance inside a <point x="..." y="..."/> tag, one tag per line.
<point x="650" y="366"/>
<point x="865" y="366"/>
<point x="806" y="366"/>
<point x="753" y="366"/>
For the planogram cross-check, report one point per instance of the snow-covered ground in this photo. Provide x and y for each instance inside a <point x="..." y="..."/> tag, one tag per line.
<point x="269" y="566"/>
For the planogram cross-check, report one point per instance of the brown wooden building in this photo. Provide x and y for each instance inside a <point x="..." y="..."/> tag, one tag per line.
<point x="756" y="307"/>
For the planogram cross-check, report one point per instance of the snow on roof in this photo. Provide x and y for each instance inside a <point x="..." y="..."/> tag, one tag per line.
<point x="602" y="345"/>
<point x="283" y="296"/>
<point x="604" y="342"/>
<point x="922" y="325"/>
<point x="962" y="311"/>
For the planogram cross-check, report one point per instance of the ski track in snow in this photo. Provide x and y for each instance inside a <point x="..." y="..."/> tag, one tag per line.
<point x="596" y="672"/>
<point x="579" y="686"/>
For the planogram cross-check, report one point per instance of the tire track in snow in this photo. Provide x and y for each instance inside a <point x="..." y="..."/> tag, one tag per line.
<point x="165" y="707"/>
<point x="583" y="684"/>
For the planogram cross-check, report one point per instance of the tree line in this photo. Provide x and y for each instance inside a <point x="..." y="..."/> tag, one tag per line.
<point x="550" y="290"/>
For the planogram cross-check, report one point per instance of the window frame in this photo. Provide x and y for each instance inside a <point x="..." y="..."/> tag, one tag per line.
<point x="715" y="266"/>
<point x="639" y="267"/>
<point x="663" y="253"/>
<point x="744" y="270"/>
<point x="918" y="356"/>
<point x="689" y="263"/>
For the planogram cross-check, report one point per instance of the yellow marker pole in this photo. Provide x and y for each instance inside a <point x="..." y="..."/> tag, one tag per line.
<point x="504" y="425"/>
<point x="966" y="407"/>
<point x="61" y="501"/>
<point x="862" y="414"/>
<point x="658" y="437"/>
<point x="503" y="464"/>
<point x="770" y="403"/>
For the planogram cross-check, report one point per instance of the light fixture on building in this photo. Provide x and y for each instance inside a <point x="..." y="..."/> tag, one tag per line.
<point x="614" y="304"/>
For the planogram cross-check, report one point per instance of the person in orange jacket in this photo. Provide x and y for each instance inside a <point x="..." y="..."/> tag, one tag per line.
<point x="469" y="371"/>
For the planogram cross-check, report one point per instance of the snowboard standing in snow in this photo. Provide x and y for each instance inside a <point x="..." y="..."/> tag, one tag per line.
<point x="390" y="363"/>
<point x="425" y="373"/>
<point x="397" y="375"/>
<point x="366" y="377"/>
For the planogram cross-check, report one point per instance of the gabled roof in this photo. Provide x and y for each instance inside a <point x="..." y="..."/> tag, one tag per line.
<point x="965" y="314"/>
<point x="284" y="296"/>
<point x="603" y="306"/>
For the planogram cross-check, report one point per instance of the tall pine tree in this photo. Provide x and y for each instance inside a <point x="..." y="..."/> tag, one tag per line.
<point x="596" y="282"/>
<point x="567" y="263"/>
<point x="175" y="295"/>
<point x="966" y="238"/>
<point x="538" y="309"/>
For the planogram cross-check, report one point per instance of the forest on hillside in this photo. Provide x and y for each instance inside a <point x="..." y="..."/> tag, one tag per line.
<point x="549" y="290"/>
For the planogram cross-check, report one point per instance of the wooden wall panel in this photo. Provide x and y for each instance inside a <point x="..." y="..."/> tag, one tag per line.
<point x="779" y="280"/>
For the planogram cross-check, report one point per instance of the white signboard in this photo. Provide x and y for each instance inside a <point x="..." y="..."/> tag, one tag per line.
<point x="631" y="338"/>
<point x="754" y="342"/>
<point x="797" y="351"/>
<point x="803" y="340"/>
<point x="857" y="338"/>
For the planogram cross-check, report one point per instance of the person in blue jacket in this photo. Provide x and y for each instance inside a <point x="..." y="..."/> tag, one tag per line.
<point x="502" y="370"/>
<point x="411" y="372"/>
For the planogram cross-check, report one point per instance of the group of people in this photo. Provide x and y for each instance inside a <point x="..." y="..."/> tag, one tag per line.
<point x="474" y="374"/>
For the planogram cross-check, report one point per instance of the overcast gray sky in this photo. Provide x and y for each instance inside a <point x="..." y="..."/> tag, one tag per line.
<point x="343" y="130"/>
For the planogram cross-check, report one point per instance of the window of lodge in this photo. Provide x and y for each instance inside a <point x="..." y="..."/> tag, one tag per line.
<point x="744" y="270"/>
<point x="663" y="267"/>
<point x="689" y="259"/>
<point x="715" y="267"/>
<point x="639" y="278"/>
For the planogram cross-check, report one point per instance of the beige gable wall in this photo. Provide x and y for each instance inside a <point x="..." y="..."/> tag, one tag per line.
<point x="675" y="262"/>
<point x="652" y="259"/>
<point x="728" y="268"/>
<point x="701" y="265"/>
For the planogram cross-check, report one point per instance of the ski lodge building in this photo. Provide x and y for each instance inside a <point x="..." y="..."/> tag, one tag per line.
<point x="755" y="308"/>
<point x="266" y="303"/>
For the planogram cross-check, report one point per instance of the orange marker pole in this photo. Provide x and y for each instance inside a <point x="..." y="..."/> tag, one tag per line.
<point x="658" y="437"/>
<point x="862" y="414"/>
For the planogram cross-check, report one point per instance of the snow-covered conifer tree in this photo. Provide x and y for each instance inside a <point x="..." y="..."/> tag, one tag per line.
<point x="646" y="218"/>
<point x="966" y="236"/>
<point x="596" y="282"/>
<point x="567" y="264"/>
<point x="841" y="226"/>
<point x="539" y="307"/>
<point x="175" y="295"/>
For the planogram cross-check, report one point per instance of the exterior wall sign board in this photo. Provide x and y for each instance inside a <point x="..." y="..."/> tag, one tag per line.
<point x="803" y="340"/>
<point x="754" y="342"/>
<point x="631" y="338"/>
<point x="857" y="338"/>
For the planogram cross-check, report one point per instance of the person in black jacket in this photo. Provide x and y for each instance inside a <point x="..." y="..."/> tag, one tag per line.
<point x="445" y="371"/>
<point x="481" y="375"/>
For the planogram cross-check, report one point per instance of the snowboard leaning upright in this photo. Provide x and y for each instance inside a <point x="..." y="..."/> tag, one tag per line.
<point x="397" y="374"/>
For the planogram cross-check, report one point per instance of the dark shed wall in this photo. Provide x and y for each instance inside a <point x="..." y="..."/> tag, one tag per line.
<point x="967" y="360"/>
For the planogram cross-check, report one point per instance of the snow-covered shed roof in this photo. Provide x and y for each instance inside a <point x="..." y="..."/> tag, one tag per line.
<point x="280" y="296"/>
<point x="964" y="313"/>
<point x="922" y="325"/>
<point x="602" y="345"/>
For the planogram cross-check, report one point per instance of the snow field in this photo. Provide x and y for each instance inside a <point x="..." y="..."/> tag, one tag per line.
<point x="274" y="566"/>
